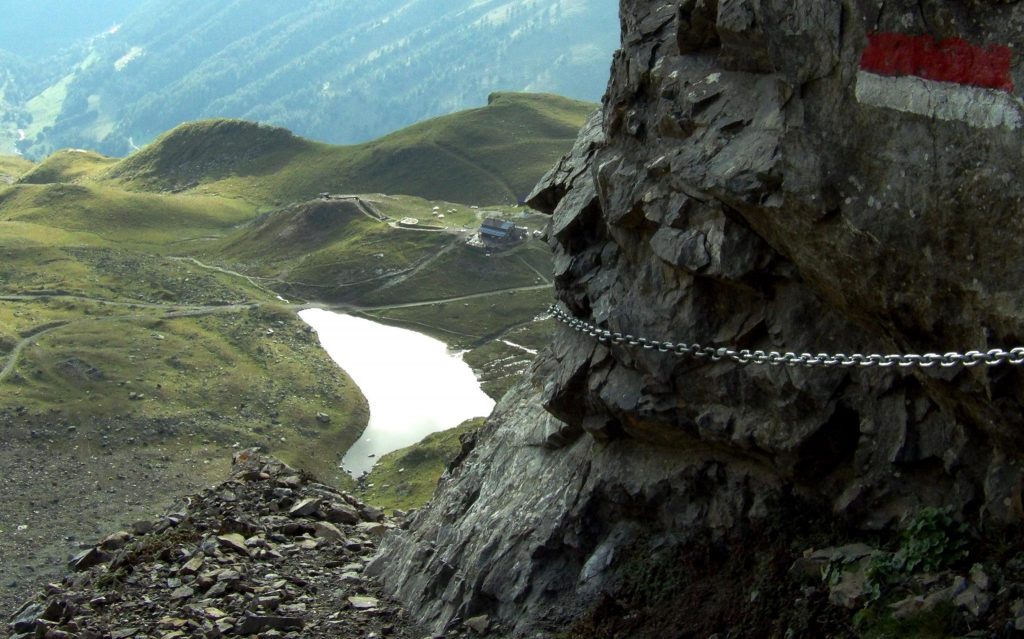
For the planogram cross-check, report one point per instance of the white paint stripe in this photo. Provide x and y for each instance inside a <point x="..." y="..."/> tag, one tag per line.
<point x="982" y="108"/>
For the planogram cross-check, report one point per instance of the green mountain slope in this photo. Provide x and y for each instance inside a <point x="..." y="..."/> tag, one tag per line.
<point x="68" y="165"/>
<point x="112" y="215"/>
<point x="407" y="477"/>
<point x="212" y="151"/>
<point x="326" y="250"/>
<point x="344" y="71"/>
<point x="12" y="168"/>
<point x="494" y="154"/>
<point x="16" y="89"/>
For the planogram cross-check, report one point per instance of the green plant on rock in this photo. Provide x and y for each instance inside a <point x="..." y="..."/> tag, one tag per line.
<point x="839" y="564"/>
<point x="933" y="541"/>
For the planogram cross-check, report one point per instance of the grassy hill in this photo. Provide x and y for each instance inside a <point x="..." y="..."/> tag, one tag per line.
<point x="211" y="152"/>
<point x="351" y="252"/>
<point x="494" y="154"/>
<point x="12" y="168"/>
<point x="326" y="250"/>
<point x="113" y="215"/>
<point x="67" y="165"/>
<point x="175" y="229"/>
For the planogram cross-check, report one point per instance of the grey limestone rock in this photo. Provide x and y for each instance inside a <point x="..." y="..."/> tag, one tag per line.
<point x="750" y="182"/>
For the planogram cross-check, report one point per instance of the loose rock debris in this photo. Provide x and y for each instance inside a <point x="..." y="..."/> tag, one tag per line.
<point x="269" y="553"/>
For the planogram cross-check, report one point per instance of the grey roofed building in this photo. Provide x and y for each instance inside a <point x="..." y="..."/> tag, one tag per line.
<point x="495" y="229"/>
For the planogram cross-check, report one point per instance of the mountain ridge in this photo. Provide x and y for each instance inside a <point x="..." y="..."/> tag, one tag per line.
<point x="486" y="155"/>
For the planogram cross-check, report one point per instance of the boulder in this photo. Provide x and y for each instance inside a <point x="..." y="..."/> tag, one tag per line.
<point x="88" y="558"/>
<point x="341" y="513"/>
<point x="233" y="542"/>
<point x="116" y="541"/>
<point x="327" y="530"/>
<point x="478" y="624"/>
<point x="305" y="507"/>
<point x="360" y="602"/>
<point x="25" y="619"/>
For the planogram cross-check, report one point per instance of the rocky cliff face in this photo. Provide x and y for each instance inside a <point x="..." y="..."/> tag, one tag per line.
<point x="809" y="176"/>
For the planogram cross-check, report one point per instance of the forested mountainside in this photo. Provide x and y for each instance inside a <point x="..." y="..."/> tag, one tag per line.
<point x="16" y="87"/>
<point x="335" y="71"/>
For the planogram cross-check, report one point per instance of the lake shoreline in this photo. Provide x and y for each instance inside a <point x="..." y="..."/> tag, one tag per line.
<point x="413" y="383"/>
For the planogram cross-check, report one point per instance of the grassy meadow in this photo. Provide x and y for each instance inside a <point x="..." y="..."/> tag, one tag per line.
<point x="406" y="478"/>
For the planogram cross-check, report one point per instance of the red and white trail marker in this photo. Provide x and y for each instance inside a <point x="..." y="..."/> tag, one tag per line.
<point x="941" y="79"/>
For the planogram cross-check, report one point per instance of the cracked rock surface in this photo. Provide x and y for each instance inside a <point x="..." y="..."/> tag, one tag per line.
<point x="746" y="183"/>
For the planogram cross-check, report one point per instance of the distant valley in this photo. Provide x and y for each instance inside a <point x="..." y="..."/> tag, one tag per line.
<point x="341" y="72"/>
<point x="148" y="305"/>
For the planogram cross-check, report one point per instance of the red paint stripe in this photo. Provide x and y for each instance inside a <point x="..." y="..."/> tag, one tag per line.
<point x="953" y="60"/>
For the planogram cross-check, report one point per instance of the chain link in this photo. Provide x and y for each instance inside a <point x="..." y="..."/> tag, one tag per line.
<point x="744" y="356"/>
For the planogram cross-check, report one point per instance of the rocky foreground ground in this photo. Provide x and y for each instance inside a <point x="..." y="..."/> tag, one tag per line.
<point x="67" y="482"/>
<point x="268" y="553"/>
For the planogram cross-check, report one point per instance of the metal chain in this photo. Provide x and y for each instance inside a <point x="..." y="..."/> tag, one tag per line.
<point x="744" y="356"/>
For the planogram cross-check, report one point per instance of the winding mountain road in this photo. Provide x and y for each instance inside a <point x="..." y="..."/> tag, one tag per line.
<point x="180" y="310"/>
<point x="191" y="310"/>
<point x="12" y="358"/>
<point x="95" y="300"/>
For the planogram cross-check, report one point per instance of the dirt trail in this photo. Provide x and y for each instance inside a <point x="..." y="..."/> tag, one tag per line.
<point x="12" y="359"/>
<point x="83" y="298"/>
<point x="225" y="271"/>
<point x="369" y="210"/>
<point x="458" y="155"/>
<point x="546" y="278"/>
<point x="419" y="267"/>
